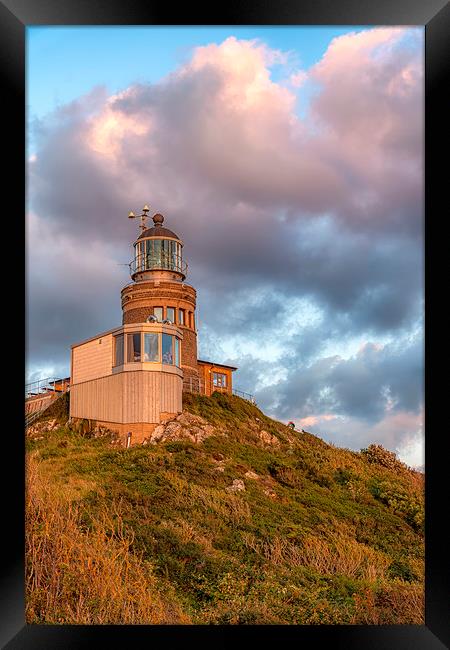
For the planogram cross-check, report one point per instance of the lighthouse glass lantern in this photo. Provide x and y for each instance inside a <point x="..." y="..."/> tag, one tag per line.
<point x="158" y="249"/>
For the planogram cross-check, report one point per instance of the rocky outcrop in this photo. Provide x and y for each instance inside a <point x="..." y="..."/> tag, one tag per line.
<point x="34" y="431"/>
<point x="184" y="427"/>
<point x="268" y="439"/>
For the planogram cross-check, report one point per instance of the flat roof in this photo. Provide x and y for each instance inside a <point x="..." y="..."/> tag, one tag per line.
<point x="214" y="363"/>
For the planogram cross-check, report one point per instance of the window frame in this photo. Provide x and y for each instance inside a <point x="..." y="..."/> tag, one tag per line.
<point x="162" y="312"/>
<point x="159" y="355"/>
<point x="140" y="347"/>
<point x="116" y="336"/>
<point x="216" y="375"/>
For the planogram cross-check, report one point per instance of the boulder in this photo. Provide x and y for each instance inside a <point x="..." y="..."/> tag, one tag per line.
<point x="238" y="485"/>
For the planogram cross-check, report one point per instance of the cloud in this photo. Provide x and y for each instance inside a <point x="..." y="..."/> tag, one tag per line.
<point x="302" y="234"/>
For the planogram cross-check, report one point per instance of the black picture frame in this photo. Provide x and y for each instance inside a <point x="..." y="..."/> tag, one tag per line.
<point x="15" y="16"/>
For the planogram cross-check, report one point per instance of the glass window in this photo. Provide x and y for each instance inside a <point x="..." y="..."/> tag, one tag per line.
<point x="173" y="255"/>
<point x="134" y="347"/>
<point x="167" y="356"/>
<point x="165" y="253"/>
<point x="151" y="347"/>
<point x="181" y="316"/>
<point x="177" y="352"/>
<point x="118" y="350"/>
<point x="148" y="253"/>
<point x="158" y="312"/>
<point x="219" y="379"/>
<point x="171" y="314"/>
<point x="139" y="258"/>
<point x="156" y="253"/>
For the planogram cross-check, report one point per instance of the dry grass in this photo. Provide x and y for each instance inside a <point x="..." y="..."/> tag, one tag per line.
<point x="337" y="555"/>
<point x="83" y="574"/>
<point x="390" y="604"/>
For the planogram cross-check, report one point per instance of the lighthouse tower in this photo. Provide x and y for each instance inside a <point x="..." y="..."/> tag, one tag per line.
<point x="131" y="378"/>
<point x="158" y="291"/>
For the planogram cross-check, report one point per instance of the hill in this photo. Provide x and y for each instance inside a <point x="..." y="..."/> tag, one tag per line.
<point x="226" y="517"/>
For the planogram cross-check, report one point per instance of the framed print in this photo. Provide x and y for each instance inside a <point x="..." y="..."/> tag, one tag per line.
<point x="233" y="275"/>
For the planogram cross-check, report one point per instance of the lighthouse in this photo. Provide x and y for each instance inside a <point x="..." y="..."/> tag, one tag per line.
<point x="131" y="378"/>
<point x="158" y="288"/>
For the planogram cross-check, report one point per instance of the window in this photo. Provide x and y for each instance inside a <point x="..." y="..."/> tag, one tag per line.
<point x="158" y="312"/>
<point x="171" y="314"/>
<point x="181" y="316"/>
<point x="177" y="352"/>
<point x="167" y="355"/>
<point x="134" y="347"/>
<point x="151" y="347"/>
<point x="219" y="379"/>
<point x="140" y="261"/>
<point x="157" y="254"/>
<point x="165" y="254"/>
<point x="118" y="350"/>
<point x="148" y="254"/>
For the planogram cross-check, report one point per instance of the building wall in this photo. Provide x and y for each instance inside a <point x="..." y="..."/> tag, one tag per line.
<point x="92" y="359"/>
<point x="206" y="374"/>
<point x="127" y="397"/>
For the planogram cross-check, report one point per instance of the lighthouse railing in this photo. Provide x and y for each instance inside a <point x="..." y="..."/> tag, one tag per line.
<point x="162" y="261"/>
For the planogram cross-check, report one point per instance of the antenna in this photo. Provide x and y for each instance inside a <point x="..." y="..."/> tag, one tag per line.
<point x="142" y="217"/>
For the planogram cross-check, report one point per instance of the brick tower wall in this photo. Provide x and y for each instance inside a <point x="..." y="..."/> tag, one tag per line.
<point x="139" y="299"/>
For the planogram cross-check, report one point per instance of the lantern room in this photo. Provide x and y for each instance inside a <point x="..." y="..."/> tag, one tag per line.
<point x="158" y="251"/>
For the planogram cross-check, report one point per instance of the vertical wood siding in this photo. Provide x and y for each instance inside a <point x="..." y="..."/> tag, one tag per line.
<point x="127" y="397"/>
<point x="92" y="359"/>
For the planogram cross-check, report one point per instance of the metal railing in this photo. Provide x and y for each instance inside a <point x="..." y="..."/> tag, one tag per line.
<point x="248" y="396"/>
<point x="194" y="385"/>
<point x="197" y="385"/>
<point x="45" y="386"/>
<point x="163" y="261"/>
<point x="41" y="394"/>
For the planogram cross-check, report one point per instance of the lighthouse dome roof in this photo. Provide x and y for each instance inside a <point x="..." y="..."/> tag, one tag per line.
<point x="158" y="230"/>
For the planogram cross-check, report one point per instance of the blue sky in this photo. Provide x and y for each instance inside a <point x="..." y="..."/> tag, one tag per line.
<point x="65" y="62"/>
<point x="295" y="181"/>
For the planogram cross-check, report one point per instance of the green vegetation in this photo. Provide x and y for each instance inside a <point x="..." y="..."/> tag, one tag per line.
<point x="154" y="534"/>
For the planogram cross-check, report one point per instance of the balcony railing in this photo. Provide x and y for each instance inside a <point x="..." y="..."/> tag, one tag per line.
<point x="163" y="261"/>
<point x="43" y="387"/>
<point x="194" y="385"/>
<point x="248" y="396"/>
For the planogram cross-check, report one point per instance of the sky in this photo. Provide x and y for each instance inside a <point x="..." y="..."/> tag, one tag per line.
<point x="290" y="162"/>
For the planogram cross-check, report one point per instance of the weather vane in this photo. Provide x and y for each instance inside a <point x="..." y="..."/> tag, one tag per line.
<point x="142" y="217"/>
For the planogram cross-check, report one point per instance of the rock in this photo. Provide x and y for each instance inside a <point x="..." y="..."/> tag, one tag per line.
<point x="251" y="474"/>
<point x="157" y="433"/>
<point x="238" y="485"/>
<point x="268" y="438"/>
<point x="188" y="419"/>
<point x="172" y="430"/>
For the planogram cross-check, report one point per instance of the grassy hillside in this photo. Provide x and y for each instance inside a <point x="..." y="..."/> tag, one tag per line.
<point x="256" y="524"/>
